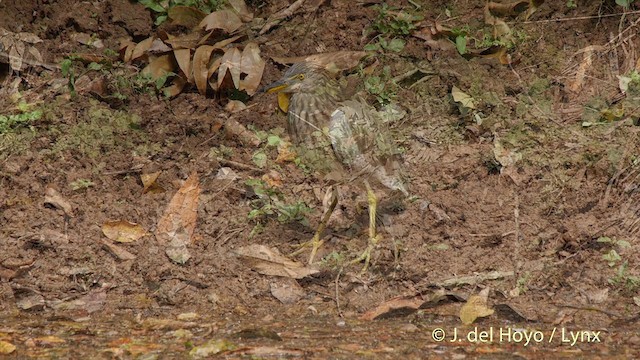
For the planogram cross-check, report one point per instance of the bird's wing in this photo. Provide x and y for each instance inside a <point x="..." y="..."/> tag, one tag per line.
<point x="363" y="145"/>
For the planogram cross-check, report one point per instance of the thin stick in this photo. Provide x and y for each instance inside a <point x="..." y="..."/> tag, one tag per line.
<point x="277" y="18"/>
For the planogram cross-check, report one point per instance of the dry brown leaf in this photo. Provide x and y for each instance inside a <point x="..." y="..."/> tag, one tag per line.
<point x="175" y="88"/>
<point x="55" y="199"/>
<point x="186" y="16"/>
<point x="508" y="9"/>
<point x="335" y="60"/>
<point x="269" y="261"/>
<point x="141" y="48"/>
<point x="188" y="41"/>
<point x="175" y="228"/>
<point x="123" y="231"/>
<point x="475" y="307"/>
<point x="223" y="43"/>
<point x="287" y="290"/>
<point x="201" y="67"/>
<point x="404" y="305"/>
<point x="160" y="66"/>
<point x="231" y="64"/>
<point x="149" y="183"/>
<point x="226" y="20"/>
<point x="158" y="47"/>
<point x="183" y="57"/>
<point x="6" y="347"/>
<point x="213" y="68"/>
<point x="252" y="65"/>
<point x="126" y="50"/>
<point x="241" y="8"/>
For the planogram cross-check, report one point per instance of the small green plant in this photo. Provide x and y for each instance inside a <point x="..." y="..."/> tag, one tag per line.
<point x="571" y="4"/>
<point x="380" y="87"/>
<point x="161" y="7"/>
<point x="521" y="283"/>
<point x="334" y="260"/>
<point x="270" y="203"/>
<point x="391" y="25"/>
<point x="81" y="184"/>
<point x="630" y="283"/>
<point x="621" y="278"/>
<point x="66" y="66"/>
<point x="10" y="122"/>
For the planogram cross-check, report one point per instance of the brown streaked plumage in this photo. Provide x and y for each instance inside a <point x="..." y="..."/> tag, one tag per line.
<point x="343" y="139"/>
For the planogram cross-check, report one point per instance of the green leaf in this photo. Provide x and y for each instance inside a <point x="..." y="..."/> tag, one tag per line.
<point x="273" y="140"/>
<point x="372" y="47"/>
<point x="461" y="44"/>
<point x="94" y="66"/>
<point x="260" y="159"/>
<point x="396" y="45"/>
<point x="65" y="66"/>
<point x="624" y="3"/>
<point x="153" y="5"/>
<point x="160" y="19"/>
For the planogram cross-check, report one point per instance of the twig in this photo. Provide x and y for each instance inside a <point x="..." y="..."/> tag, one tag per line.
<point x="337" y="287"/>
<point x="277" y="18"/>
<point x="237" y="165"/>
<point x="474" y="279"/>
<point x="516" y="215"/>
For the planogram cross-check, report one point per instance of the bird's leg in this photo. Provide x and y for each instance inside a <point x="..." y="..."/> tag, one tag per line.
<point x="317" y="241"/>
<point x="373" y="236"/>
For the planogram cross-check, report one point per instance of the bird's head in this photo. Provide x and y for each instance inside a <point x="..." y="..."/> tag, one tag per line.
<point x="301" y="77"/>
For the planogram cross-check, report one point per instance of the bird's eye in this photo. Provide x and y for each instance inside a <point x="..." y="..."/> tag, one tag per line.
<point x="300" y="76"/>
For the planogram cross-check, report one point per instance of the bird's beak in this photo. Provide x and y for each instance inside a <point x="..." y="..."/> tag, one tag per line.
<point x="274" y="87"/>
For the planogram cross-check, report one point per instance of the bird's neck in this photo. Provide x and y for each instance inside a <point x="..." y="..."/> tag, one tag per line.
<point x="311" y="111"/>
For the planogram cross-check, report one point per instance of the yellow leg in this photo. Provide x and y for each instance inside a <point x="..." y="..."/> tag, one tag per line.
<point x="317" y="241"/>
<point x="374" y="238"/>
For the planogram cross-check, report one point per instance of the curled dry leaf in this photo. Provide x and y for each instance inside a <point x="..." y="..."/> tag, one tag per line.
<point x="186" y="16"/>
<point x="175" y="228"/>
<point x="201" y="67"/>
<point x="241" y="8"/>
<point x="231" y="63"/>
<point x="141" y="48"/>
<point x="252" y="65"/>
<point x="226" y="20"/>
<point x="176" y="88"/>
<point x="188" y="41"/>
<point x="160" y="66"/>
<point x="123" y="231"/>
<point x="158" y="47"/>
<point x="183" y="58"/>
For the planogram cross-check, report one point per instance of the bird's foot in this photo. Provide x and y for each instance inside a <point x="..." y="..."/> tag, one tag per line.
<point x="314" y="243"/>
<point x="366" y="254"/>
